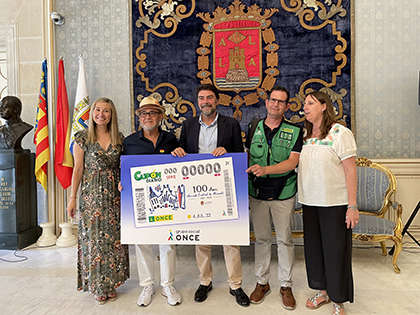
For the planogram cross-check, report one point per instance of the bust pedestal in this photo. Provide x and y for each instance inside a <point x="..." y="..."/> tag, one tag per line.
<point x="18" y="202"/>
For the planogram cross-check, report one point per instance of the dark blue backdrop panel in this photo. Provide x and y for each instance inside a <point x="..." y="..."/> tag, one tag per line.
<point x="305" y="47"/>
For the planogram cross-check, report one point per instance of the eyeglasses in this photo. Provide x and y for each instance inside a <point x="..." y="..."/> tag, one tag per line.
<point x="273" y="101"/>
<point x="151" y="114"/>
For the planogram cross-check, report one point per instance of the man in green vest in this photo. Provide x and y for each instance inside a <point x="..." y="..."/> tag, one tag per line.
<point x="274" y="145"/>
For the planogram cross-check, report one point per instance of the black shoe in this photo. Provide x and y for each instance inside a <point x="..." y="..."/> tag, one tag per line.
<point x="201" y="293"/>
<point x="241" y="298"/>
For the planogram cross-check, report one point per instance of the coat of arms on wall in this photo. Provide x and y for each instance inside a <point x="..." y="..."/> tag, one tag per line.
<point x="237" y="39"/>
<point x="244" y="48"/>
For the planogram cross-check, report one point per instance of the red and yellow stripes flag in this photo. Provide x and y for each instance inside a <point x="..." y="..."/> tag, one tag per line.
<point x="63" y="158"/>
<point x="41" y="132"/>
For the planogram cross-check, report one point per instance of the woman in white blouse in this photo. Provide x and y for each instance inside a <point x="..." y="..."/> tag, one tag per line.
<point x="327" y="186"/>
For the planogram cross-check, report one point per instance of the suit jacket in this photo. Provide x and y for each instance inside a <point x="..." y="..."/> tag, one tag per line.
<point x="228" y="134"/>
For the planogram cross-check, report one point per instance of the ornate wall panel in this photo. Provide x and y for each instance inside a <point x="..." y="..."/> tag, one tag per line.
<point x="387" y="73"/>
<point x="98" y="30"/>
<point x="244" y="48"/>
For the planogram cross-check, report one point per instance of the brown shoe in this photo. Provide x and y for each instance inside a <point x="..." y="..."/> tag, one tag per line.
<point x="287" y="299"/>
<point x="259" y="293"/>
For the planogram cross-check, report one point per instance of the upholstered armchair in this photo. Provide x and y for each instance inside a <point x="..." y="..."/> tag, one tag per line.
<point x="376" y="186"/>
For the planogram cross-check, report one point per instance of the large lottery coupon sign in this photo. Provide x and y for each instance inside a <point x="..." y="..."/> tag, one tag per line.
<point x="186" y="192"/>
<point x="187" y="200"/>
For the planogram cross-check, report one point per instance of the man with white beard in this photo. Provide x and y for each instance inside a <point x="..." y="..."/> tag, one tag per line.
<point x="151" y="139"/>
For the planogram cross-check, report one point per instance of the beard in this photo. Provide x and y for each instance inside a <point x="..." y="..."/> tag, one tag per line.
<point x="209" y="112"/>
<point x="150" y="128"/>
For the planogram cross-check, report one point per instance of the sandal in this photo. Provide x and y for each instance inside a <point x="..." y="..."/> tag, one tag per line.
<point x="100" y="298"/>
<point x="315" y="303"/>
<point x="337" y="308"/>
<point x="112" y="295"/>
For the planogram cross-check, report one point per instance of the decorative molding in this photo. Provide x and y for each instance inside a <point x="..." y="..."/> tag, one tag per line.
<point x="402" y="167"/>
<point x="8" y="33"/>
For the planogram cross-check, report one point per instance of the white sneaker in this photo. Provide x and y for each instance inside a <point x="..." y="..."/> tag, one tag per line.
<point x="172" y="296"/>
<point x="145" y="297"/>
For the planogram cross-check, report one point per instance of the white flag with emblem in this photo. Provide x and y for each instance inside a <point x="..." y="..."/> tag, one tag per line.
<point x="81" y="105"/>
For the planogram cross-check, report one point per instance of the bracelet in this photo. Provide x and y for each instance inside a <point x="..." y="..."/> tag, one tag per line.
<point x="72" y="197"/>
<point x="352" y="207"/>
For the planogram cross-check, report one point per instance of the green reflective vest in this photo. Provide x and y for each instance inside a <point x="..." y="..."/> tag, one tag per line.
<point x="264" y="154"/>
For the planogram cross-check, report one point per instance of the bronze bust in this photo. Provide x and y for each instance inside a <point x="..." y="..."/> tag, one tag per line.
<point x="13" y="131"/>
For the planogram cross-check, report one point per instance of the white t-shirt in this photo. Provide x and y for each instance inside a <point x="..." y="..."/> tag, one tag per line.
<point x="321" y="178"/>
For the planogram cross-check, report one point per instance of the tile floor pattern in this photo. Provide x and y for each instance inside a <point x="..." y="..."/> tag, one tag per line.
<point x="46" y="284"/>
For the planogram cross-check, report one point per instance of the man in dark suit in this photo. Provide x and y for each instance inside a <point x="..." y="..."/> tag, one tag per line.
<point x="213" y="133"/>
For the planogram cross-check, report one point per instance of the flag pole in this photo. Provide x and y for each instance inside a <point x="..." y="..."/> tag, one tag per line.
<point x="49" y="51"/>
<point x="81" y="110"/>
<point x="63" y="163"/>
<point x="41" y="140"/>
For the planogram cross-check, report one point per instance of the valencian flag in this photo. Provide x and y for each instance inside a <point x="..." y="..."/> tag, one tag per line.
<point x="41" y="132"/>
<point x="63" y="158"/>
<point x="81" y="105"/>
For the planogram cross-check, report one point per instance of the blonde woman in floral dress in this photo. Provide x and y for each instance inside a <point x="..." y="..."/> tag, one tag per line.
<point x="103" y="263"/>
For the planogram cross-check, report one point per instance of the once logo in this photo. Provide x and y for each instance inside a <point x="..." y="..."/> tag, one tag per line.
<point x="188" y="237"/>
<point x="160" y="218"/>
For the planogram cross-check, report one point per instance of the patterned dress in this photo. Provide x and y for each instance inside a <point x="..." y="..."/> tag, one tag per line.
<point x="102" y="263"/>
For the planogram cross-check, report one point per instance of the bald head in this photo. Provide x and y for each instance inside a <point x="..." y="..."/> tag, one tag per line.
<point x="10" y="106"/>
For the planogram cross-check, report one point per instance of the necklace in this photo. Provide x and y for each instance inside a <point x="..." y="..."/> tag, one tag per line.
<point x="316" y="132"/>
